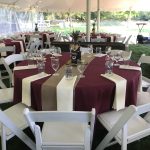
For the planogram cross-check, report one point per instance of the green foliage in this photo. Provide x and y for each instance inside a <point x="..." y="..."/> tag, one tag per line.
<point x="137" y="51"/>
<point x="105" y="15"/>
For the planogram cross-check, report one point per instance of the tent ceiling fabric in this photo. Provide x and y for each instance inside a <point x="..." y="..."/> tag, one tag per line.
<point x="78" y="5"/>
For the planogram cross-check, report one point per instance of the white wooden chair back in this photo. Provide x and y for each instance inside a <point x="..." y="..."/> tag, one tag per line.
<point x="144" y="59"/>
<point x="126" y="55"/>
<point x="58" y="117"/>
<point x="11" y="59"/>
<point x="125" y="126"/>
<point x="2" y="85"/>
<point x="5" y="49"/>
<point x="6" y="94"/>
<point x="126" y="42"/>
<point x="7" y="123"/>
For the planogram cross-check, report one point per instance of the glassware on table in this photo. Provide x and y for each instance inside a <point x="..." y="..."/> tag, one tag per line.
<point x="117" y="57"/>
<point x="55" y="64"/>
<point x="58" y="50"/>
<point x="30" y="59"/>
<point x="98" y="50"/>
<point x="68" y="71"/>
<point x="90" y="51"/>
<point x="109" y="66"/>
<point x="40" y="65"/>
<point x="108" y="50"/>
<point x="81" y="65"/>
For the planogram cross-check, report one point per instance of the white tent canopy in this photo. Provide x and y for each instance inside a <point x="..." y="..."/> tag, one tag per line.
<point x="77" y="5"/>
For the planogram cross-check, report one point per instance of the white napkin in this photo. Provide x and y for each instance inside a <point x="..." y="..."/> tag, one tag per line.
<point x="130" y="67"/>
<point x="56" y="54"/>
<point x="120" y="93"/>
<point x="26" y="87"/>
<point x="99" y="55"/>
<point x="65" y="94"/>
<point x="25" y="67"/>
<point x="134" y="68"/>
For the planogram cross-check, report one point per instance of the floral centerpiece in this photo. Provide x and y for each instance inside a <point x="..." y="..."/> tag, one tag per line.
<point x="75" y="48"/>
<point x="75" y="35"/>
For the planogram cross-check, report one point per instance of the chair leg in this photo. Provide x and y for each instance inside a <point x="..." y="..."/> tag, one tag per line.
<point x="3" y="137"/>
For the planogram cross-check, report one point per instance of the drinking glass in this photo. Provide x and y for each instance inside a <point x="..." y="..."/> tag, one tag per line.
<point x="98" y="50"/>
<point x="90" y="51"/>
<point x="109" y="67"/>
<point x="117" y="57"/>
<point x="81" y="67"/>
<point x="55" y="64"/>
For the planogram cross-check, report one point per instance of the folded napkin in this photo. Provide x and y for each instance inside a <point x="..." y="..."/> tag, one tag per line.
<point x="25" y="67"/>
<point x="99" y="55"/>
<point x="130" y="67"/>
<point x="56" y="54"/>
<point x="120" y="93"/>
<point x="65" y="94"/>
<point x="26" y="87"/>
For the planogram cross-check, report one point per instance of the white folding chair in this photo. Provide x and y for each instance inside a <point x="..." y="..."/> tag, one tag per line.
<point x="5" y="49"/>
<point x="62" y="130"/>
<point x="11" y="59"/>
<point x="126" y="55"/>
<point x="8" y="126"/>
<point x="6" y="94"/>
<point x="144" y="60"/>
<point x="125" y="126"/>
<point x="126" y="42"/>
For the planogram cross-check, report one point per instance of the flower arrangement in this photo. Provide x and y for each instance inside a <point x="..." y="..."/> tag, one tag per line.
<point x="75" y="35"/>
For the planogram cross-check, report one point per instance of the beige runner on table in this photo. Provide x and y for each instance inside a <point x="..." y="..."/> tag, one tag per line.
<point x="120" y="92"/>
<point x="65" y="94"/>
<point x="49" y="95"/>
<point x="26" y="87"/>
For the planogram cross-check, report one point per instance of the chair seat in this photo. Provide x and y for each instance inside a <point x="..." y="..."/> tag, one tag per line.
<point x="135" y="126"/>
<point x="6" y="95"/>
<point x="143" y="98"/>
<point x="63" y="134"/>
<point x="15" y="113"/>
<point x="145" y="82"/>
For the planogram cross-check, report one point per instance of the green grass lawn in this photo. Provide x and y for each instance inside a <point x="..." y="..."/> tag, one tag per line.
<point x="137" y="50"/>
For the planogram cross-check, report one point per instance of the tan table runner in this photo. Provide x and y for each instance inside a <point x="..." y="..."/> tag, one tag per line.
<point x="49" y="98"/>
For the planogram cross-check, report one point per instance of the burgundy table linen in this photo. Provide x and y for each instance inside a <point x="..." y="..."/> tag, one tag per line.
<point x="93" y="91"/>
<point x="36" y="101"/>
<point x="10" y="42"/>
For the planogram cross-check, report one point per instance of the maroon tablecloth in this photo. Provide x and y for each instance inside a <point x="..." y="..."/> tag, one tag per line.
<point x="10" y="42"/>
<point x="93" y="91"/>
<point x="35" y="85"/>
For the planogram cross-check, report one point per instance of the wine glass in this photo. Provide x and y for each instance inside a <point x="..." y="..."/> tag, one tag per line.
<point x="117" y="57"/>
<point x="55" y="64"/>
<point x="90" y="51"/>
<point x="81" y="67"/>
<point x="98" y="50"/>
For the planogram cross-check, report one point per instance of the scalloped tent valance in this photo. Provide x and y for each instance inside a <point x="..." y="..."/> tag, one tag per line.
<point x="76" y="5"/>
